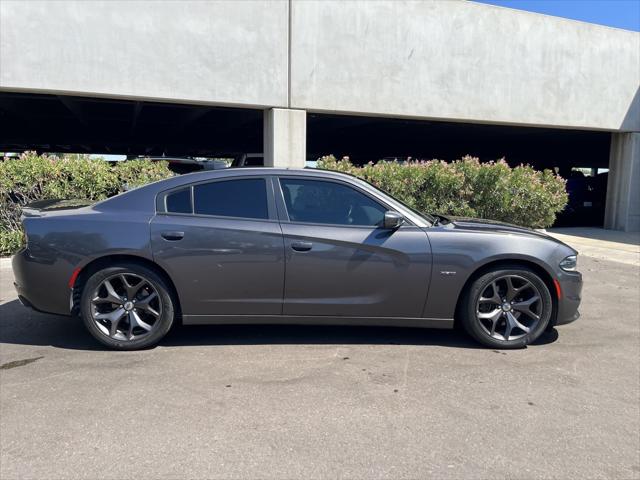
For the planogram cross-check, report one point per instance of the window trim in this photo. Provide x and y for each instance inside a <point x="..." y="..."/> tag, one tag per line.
<point x="284" y="214"/>
<point x="161" y="202"/>
<point x="164" y="200"/>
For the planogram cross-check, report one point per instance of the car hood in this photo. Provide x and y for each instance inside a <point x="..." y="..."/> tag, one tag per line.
<point x="483" y="225"/>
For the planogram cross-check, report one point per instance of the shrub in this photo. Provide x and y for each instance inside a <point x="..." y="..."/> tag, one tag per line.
<point x="34" y="177"/>
<point x="10" y="241"/>
<point x="136" y="173"/>
<point x="467" y="187"/>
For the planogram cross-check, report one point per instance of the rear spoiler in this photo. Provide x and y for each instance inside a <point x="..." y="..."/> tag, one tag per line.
<point x="41" y="207"/>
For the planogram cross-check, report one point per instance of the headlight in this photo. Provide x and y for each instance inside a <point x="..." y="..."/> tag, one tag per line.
<point x="570" y="263"/>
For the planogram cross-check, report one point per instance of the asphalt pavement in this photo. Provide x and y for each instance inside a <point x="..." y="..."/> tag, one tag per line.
<point x="325" y="402"/>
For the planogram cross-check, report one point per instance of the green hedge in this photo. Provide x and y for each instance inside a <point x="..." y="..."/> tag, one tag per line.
<point x="467" y="187"/>
<point x="32" y="177"/>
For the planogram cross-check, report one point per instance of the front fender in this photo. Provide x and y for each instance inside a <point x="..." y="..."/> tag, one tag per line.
<point x="459" y="254"/>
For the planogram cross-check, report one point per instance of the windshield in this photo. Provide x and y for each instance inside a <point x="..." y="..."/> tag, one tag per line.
<point x="426" y="216"/>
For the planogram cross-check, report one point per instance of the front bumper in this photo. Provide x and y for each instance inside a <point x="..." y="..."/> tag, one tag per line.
<point x="565" y="320"/>
<point x="570" y="297"/>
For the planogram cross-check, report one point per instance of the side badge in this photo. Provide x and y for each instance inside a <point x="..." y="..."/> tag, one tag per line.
<point x="447" y="272"/>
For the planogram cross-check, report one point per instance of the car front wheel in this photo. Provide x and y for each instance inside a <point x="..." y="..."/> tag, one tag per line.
<point x="127" y="307"/>
<point x="507" y="307"/>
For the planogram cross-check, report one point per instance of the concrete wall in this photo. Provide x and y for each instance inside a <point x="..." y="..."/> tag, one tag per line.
<point x="285" y="138"/>
<point x="463" y="61"/>
<point x="443" y="59"/>
<point x="195" y="51"/>
<point x="623" y="189"/>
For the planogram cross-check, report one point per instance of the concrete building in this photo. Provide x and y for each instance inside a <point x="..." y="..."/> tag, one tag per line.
<point x="295" y="79"/>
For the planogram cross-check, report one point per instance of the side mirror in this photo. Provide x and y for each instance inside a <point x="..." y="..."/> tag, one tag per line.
<point x="392" y="220"/>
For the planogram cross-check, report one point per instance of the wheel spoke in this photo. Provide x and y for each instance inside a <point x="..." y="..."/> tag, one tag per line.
<point x="144" y="304"/>
<point x="493" y="316"/>
<point x="132" y="290"/>
<point x="524" y="306"/>
<point x="513" y="321"/>
<point x="495" y="298"/>
<point x="512" y="290"/>
<point x="113" y="328"/>
<point x="136" y="321"/>
<point x="112" y="296"/>
<point x="113" y="317"/>
<point x="492" y="332"/>
<point x="508" y="327"/>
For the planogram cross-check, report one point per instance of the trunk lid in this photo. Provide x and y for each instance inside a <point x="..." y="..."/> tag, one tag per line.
<point x="42" y="207"/>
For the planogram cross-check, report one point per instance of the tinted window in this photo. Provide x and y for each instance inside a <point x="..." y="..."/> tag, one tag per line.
<point x="315" y="201"/>
<point x="180" y="201"/>
<point x="232" y="198"/>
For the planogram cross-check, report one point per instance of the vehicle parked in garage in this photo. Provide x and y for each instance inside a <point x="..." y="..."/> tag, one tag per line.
<point x="587" y="192"/>
<point x="246" y="160"/>
<point x="273" y="246"/>
<point x="182" y="165"/>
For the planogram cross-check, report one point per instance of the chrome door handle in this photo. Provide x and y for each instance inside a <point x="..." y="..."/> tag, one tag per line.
<point x="301" y="246"/>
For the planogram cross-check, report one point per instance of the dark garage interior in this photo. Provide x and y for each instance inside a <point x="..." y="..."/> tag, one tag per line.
<point x="580" y="156"/>
<point x="366" y="139"/>
<point x="57" y="123"/>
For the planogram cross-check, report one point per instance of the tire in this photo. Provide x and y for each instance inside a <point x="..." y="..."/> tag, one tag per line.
<point x="500" y="309"/>
<point x="121" y="322"/>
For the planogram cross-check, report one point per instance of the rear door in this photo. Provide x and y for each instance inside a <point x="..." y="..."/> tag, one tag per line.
<point x="340" y="261"/>
<point x="221" y="243"/>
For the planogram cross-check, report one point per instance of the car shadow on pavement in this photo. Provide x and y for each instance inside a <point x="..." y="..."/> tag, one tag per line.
<point x="19" y="325"/>
<point x="23" y="326"/>
<point x="324" y="335"/>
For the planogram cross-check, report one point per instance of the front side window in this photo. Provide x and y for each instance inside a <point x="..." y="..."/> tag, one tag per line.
<point x="245" y="198"/>
<point x="317" y="201"/>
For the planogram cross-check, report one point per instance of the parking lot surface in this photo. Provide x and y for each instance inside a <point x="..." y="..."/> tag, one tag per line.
<point x="325" y="402"/>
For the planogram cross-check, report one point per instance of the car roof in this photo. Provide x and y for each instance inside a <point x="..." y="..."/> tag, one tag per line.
<point x="262" y="171"/>
<point x="144" y="196"/>
<point x="143" y="199"/>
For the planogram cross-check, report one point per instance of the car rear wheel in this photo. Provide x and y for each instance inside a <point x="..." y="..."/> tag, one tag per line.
<point x="127" y="307"/>
<point x="507" y="307"/>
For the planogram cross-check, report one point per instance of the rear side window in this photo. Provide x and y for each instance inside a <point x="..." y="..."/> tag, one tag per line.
<point x="180" y="201"/>
<point x="245" y="198"/>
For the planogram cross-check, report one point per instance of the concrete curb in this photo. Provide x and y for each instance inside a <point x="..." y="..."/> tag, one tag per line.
<point x="607" y="245"/>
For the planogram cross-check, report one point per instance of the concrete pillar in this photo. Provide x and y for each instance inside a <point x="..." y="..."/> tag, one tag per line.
<point x="622" y="210"/>
<point x="285" y="138"/>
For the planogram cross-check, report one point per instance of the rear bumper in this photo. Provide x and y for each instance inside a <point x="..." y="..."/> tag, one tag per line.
<point x="40" y="285"/>
<point x="21" y="298"/>
<point x="571" y="295"/>
<point x="24" y="301"/>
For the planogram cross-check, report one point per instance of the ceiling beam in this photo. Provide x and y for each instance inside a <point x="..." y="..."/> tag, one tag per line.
<point x="137" y="108"/>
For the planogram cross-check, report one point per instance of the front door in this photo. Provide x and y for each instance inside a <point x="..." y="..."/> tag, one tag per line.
<point x="340" y="261"/>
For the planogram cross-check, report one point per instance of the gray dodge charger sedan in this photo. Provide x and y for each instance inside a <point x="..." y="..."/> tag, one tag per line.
<point x="269" y="246"/>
